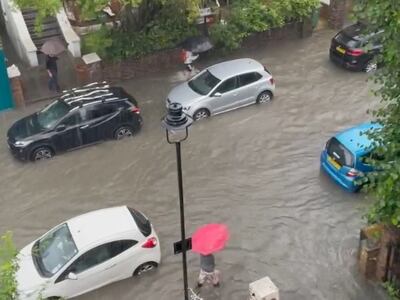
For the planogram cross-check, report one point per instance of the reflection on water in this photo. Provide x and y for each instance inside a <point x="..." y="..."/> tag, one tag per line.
<point x="255" y="169"/>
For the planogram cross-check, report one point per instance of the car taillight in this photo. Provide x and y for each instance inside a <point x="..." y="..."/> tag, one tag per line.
<point x="353" y="172"/>
<point x="150" y="243"/>
<point x="355" y="52"/>
<point x="272" y="80"/>
<point x="135" y="110"/>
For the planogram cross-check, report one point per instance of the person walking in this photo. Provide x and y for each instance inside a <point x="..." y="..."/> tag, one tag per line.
<point x="188" y="58"/>
<point x="52" y="71"/>
<point x="208" y="273"/>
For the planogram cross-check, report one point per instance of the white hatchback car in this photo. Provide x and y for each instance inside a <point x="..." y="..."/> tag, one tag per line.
<point x="87" y="252"/>
<point x="224" y="87"/>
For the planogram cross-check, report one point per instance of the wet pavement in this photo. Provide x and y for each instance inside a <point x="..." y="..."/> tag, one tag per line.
<point x="255" y="169"/>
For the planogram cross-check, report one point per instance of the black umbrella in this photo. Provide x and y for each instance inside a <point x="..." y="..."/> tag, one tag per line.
<point x="197" y="44"/>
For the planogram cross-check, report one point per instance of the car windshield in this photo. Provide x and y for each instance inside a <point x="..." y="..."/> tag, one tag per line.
<point x="52" y="113"/>
<point x="204" y="83"/>
<point x="339" y="153"/>
<point x="54" y="250"/>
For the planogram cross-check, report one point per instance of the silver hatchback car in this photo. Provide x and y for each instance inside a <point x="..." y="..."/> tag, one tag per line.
<point x="223" y="87"/>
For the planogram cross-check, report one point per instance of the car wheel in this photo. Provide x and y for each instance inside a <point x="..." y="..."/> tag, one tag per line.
<point x="201" y="114"/>
<point x="264" y="97"/>
<point x="123" y="132"/>
<point x="370" y="66"/>
<point x="53" y="298"/>
<point x="144" y="268"/>
<point x="42" y="153"/>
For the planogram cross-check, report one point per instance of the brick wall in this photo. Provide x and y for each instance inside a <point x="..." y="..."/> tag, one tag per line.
<point x="337" y="13"/>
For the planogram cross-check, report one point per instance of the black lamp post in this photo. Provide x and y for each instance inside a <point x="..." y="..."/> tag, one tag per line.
<point x="176" y="124"/>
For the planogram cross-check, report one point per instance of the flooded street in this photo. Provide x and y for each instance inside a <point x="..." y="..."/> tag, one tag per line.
<point x="255" y="169"/>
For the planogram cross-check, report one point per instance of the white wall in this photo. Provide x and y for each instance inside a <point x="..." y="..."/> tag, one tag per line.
<point x="70" y="36"/>
<point x="18" y="33"/>
<point x="327" y="2"/>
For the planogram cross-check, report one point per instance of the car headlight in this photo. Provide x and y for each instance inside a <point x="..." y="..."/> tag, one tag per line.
<point x="22" y="143"/>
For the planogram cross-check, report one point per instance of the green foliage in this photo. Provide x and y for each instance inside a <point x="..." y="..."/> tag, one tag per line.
<point x="163" y="32"/>
<point x="251" y="16"/>
<point x="385" y="183"/>
<point x="98" y="41"/>
<point x="393" y="292"/>
<point x="8" y="267"/>
<point x="44" y="9"/>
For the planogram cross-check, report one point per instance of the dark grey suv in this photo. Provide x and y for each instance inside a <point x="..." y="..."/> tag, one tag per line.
<point x="80" y="117"/>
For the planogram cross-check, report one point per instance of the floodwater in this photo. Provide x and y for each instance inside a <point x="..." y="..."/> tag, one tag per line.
<point x="255" y="169"/>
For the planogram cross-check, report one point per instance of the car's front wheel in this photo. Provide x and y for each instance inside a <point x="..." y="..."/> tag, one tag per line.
<point x="144" y="268"/>
<point x="201" y="114"/>
<point x="264" y="97"/>
<point x="42" y="153"/>
<point x="123" y="132"/>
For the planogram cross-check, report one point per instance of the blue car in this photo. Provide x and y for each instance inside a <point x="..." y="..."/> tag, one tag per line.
<point x="344" y="156"/>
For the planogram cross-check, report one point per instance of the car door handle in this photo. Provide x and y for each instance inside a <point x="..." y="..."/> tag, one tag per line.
<point x="84" y="126"/>
<point x="112" y="266"/>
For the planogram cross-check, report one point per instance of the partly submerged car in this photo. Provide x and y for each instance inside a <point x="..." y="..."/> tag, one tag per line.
<point x="344" y="156"/>
<point x="223" y="87"/>
<point x="86" y="253"/>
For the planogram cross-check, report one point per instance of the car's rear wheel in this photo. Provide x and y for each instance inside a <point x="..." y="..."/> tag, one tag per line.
<point x="123" y="132"/>
<point x="201" y="114"/>
<point x="371" y="66"/>
<point x="144" y="268"/>
<point x="264" y="97"/>
<point x="42" y="153"/>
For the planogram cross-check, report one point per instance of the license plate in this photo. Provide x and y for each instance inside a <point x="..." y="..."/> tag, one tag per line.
<point x="340" y="50"/>
<point x="334" y="163"/>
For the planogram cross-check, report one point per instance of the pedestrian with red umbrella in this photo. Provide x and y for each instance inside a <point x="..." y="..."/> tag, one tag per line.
<point x="207" y="240"/>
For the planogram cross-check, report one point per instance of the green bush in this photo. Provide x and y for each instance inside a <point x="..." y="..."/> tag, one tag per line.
<point x="115" y="44"/>
<point x="8" y="267"/>
<point x="251" y="16"/>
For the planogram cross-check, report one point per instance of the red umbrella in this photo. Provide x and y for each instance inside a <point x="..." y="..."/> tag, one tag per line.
<point x="210" y="238"/>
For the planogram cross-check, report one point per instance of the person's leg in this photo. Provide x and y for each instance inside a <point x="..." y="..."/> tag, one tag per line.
<point x="216" y="278"/>
<point x="202" y="278"/>
<point x="56" y="85"/>
<point x="50" y="83"/>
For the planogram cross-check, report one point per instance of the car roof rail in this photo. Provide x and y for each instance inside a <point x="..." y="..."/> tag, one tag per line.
<point x="93" y="92"/>
<point x="78" y="91"/>
<point x="90" y="99"/>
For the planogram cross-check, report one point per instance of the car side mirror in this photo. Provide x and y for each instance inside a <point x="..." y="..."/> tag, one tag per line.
<point x="72" y="276"/>
<point x="61" y="127"/>
<point x="217" y="94"/>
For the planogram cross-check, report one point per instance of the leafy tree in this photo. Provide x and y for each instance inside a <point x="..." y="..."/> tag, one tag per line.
<point x="8" y="267"/>
<point x="385" y="183"/>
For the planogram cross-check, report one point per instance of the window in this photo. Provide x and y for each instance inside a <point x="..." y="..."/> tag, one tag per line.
<point x="54" y="250"/>
<point x="90" y="259"/>
<point x="339" y="153"/>
<point x="227" y="86"/>
<point x="204" y="83"/>
<point x="118" y="247"/>
<point x="97" y="111"/>
<point x="72" y="120"/>
<point x="141" y="221"/>
<point x="248" y="78"/>
<point x="51" y="114"/>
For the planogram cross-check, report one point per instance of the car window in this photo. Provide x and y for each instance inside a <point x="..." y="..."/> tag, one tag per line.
<point x="227" y="86"/>
<point x="339" y="153"/>
<point x="118" y="247"/>
<point x="204" y="83"/>
<point x="366" y="158"/>
<point x="248" y="78"/>
<point x="91" y="258"/>
<point x="52" y="114"/>
<point x="98" y="111"/>
<point x="72" y="120"/>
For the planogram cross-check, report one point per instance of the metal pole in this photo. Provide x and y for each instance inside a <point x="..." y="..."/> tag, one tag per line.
<point x="182" y="213"/>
